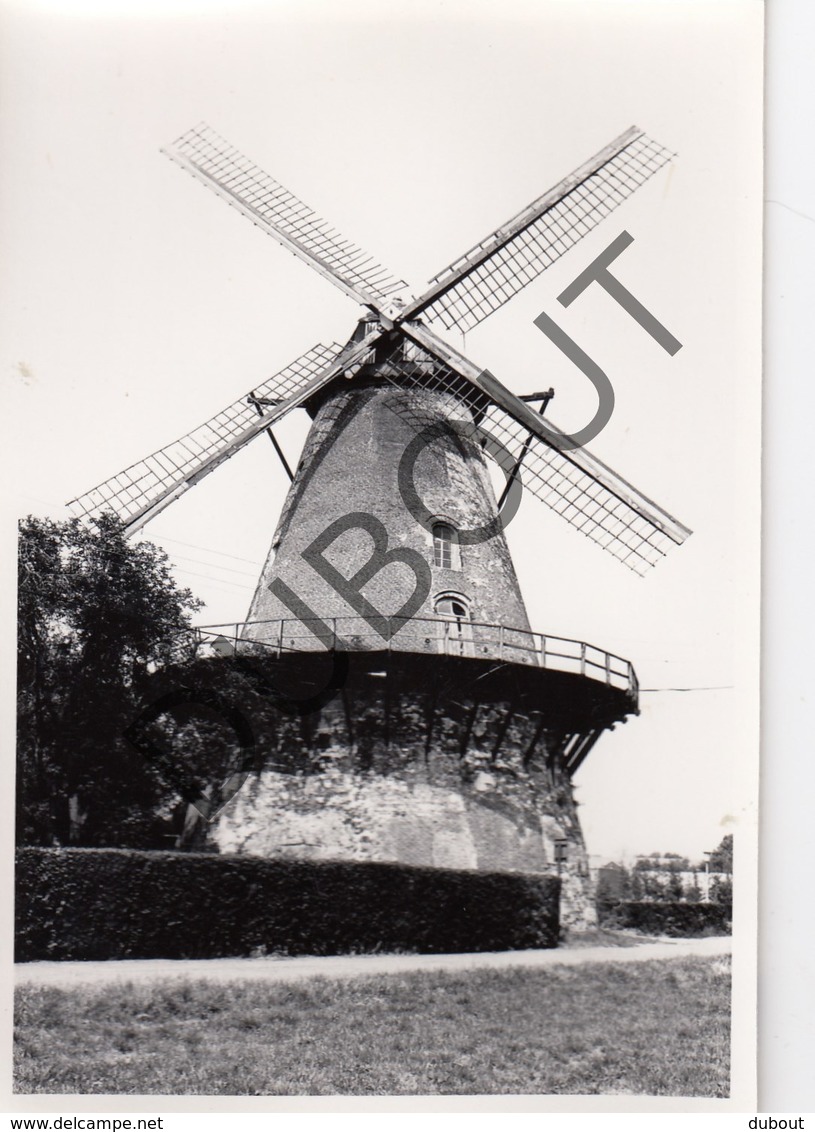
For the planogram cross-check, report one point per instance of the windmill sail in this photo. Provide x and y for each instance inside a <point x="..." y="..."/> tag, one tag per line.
<point x="583" y="490"/>
<point x="579" y="487"/>
<point x="503" y="263"/>
<point x="622" y="521"/>
<point x="140" y="491"/>
<point x="270" y="206"/>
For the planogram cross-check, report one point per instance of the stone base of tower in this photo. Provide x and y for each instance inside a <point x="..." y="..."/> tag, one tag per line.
<point x="458" y="763"/>
<point x="341" y="815"/>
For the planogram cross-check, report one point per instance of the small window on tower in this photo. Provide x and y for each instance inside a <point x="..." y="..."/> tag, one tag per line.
<point x="452" y="607"/>
<point x="445" y="547"/>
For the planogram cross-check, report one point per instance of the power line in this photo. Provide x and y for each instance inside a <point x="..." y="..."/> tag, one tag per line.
<point x="207" y="550"/>
<point x="213" y="565"/>
<point x="218" y="581"/>
<point x="701" y="688"/>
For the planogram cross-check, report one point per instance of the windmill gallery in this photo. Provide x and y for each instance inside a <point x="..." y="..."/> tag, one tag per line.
<point x="432" y="726"/>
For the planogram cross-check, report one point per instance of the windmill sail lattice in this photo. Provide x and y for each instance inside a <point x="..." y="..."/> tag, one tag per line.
<point x="140" y="486"/>
<point x="578" y="497"/>
<point x="245" y="186"/>
<point x="483" y="279"/>
<point x="567" y="481"/>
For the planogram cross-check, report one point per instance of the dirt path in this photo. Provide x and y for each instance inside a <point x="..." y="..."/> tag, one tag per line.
<point x="348" y="966"/>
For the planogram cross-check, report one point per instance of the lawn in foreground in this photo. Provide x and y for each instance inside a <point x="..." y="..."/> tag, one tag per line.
<point x="658" y="1027"/>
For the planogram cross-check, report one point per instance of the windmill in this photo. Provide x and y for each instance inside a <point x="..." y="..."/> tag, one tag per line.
<point x="456" y="730"/>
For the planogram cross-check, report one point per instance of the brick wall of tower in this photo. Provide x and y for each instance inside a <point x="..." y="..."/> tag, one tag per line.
<point x="350" y="464"/>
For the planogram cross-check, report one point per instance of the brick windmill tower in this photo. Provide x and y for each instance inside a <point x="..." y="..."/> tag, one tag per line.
<point x="453" y="732"/>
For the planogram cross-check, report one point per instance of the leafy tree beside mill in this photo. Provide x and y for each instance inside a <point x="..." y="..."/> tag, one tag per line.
<point x="96" y="614"/>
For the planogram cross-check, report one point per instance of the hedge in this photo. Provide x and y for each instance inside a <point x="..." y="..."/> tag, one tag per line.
<point x="662" y="917"/>
<point x="129" y="904"/>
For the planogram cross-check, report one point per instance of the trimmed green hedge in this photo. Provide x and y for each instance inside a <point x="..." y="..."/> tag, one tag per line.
<point x="128" y="904"/>
<point x="662" y="917"/>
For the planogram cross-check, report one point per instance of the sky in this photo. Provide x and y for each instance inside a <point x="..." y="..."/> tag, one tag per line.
<point x="136" y="304"/>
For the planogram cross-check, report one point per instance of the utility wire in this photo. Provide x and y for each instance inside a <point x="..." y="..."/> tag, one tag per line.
<point x="206" y="549"/>
<point x="701" y="688"/>
<point x="213" y="566"/>
<point x="219" y="581"/>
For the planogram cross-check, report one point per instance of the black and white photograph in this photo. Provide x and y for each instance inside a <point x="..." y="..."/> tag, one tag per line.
<point x="382" y="439"/>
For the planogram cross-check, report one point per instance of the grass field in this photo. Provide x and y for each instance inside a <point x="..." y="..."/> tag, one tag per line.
<point x="657" y="1027"/>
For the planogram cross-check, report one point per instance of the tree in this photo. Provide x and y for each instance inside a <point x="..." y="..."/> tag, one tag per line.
<point x="721" y="890"/>
<point x="721" y="859"/>
<point x="95" y="614"/>
<point x="693" y="893"/>
<point x="637" y="887"/>
<point x="613" y="884"/>
<point x="652" y="885"/>
<point x="674" y="863"/>
<point x="674" y="889"/>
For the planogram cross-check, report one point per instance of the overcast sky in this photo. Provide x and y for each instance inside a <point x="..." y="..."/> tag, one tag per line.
<point x="136" y="304"/>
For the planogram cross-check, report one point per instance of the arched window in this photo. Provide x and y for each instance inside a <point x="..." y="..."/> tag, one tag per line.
<point x="455" y="635"/>
<point x="445" y="547"/>
<point x="452" y="607"/>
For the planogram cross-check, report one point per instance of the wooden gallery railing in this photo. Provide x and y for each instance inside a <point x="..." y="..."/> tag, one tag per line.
<point x="446" y="635"/>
